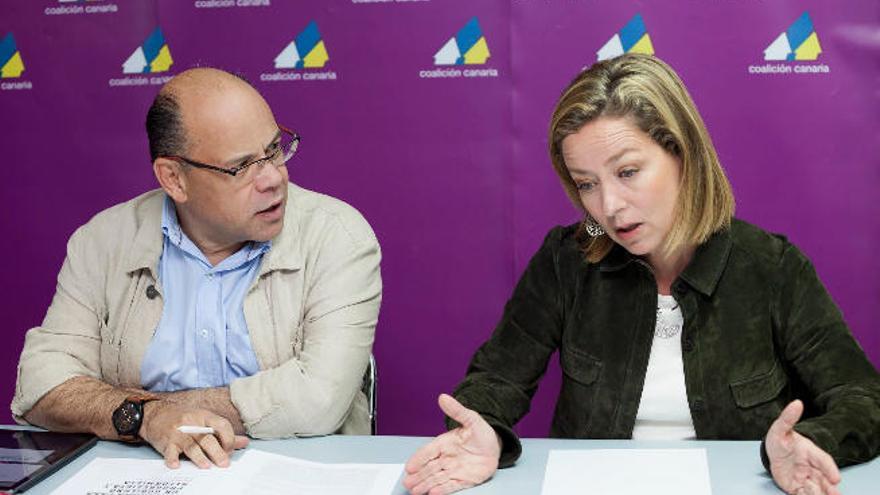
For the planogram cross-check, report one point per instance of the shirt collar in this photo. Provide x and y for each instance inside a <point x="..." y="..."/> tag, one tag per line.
<point x="171" y="229"/>
<point x="282" y="253"/>
<point x="170" y="226"/>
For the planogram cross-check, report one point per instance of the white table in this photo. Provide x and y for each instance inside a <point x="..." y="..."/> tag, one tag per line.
<point x="734" y="467"/>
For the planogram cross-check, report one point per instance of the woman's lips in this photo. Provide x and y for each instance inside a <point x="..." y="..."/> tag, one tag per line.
<point x="627" y="231"/>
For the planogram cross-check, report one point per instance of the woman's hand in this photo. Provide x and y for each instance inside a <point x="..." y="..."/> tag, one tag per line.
<point x="798" y="466"/>
<point x="458" y="459"/>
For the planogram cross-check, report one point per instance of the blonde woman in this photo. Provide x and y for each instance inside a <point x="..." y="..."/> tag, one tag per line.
<point x="673" y="320"/>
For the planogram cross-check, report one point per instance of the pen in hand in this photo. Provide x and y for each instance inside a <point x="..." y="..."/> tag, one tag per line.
<point x="196" y="430"/>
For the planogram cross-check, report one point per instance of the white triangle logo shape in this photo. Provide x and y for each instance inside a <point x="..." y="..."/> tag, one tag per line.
<point x="136" y="63"/>
<point x="448" y="54"/>
<point x="288" y="57"/>
<point x="779" y="49"/>
<point x="613" y="48"/>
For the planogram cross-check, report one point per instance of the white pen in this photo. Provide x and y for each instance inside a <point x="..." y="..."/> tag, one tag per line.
<point x="196" y="430"/>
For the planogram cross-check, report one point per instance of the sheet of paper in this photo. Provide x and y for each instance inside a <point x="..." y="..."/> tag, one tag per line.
<point x="252" y="472"/>
<point x="106" y="476"/>
<point x="627" y="472"/>
<point x="282" y="474"/>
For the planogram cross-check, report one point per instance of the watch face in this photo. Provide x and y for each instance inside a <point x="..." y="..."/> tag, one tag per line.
<point x="127" y="418"/>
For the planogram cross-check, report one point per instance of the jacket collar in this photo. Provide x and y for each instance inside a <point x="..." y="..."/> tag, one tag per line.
<point x="147" y="246"/>
<point x="705" y="269"/>
<point x="702" y="273"/>
<point x="285" y="253"/>
<point x="616" y="259"/>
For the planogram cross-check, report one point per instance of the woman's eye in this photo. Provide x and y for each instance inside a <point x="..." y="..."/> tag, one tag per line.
<point x="627" y="173"/>
<point x="585" y="187"/>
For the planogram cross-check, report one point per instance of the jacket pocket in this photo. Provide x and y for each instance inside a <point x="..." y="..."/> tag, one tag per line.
<point x="580" y="366"/>
<point x="109" y="357"/>
<point x="759" y="402"/>
<point x="580" y="384"/>
<point x="759" y="389"/>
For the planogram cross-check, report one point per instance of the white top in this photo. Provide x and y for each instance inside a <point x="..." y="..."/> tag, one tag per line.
<point x="664" y="413"/>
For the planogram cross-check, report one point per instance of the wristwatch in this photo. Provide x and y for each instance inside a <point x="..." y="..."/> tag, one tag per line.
<point x="128" y="417"/>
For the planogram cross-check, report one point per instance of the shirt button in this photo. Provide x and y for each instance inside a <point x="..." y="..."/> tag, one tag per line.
<point x="205" y="333"/>
<point x="210" y="276"/>
<point x="699" y="406"/>
<point x="152" y="293"/>
<point x="688" y="344"/>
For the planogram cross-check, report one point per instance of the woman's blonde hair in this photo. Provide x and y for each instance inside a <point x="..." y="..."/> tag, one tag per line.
<point x="650" y="94"/>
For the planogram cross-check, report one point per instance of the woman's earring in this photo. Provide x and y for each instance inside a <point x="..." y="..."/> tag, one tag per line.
<point x="592" y="227"/>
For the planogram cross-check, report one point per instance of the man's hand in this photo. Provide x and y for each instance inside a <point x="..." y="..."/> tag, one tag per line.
<point x="458" y="459"/>
<point x="798" y="466"/>
<point x="161" y="419"/>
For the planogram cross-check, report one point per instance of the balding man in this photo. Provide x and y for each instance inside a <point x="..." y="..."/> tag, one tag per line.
<point x="229" y="298"/>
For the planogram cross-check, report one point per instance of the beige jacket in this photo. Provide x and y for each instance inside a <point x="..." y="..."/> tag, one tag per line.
<point x="311" y="313"/>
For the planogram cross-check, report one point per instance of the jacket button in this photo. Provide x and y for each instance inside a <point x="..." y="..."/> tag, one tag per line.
<point x="152" y="292"/>
<point x="687" y="345"/>
<point x="699" y="406"/>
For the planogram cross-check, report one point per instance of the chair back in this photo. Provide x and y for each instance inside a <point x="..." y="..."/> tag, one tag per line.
<point x="369" y="389"/>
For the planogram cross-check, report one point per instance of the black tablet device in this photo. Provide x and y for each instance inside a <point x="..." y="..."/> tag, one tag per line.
<point x="26" y="457"/>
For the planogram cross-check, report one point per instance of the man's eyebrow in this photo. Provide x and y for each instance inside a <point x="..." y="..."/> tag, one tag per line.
<point x="242" y="159"/>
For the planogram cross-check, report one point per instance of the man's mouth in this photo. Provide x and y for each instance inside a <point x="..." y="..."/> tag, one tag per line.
<point x="272" y="208"/>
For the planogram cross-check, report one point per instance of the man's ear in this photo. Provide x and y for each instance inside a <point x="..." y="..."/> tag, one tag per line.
<point x="171" y="178"/>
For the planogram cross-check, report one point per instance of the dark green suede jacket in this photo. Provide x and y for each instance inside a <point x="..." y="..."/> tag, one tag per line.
<point x="760" y="330"/>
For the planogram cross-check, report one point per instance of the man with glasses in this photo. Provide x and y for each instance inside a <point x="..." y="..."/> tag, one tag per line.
<point x="230" y="300"/>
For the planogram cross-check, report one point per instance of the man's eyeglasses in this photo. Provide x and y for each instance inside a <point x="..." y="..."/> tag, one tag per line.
<point x="279" y="153"/>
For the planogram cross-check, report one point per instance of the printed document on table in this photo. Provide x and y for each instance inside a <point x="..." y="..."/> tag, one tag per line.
<point x="627" y="472"/>
<point x="252" y="472"/>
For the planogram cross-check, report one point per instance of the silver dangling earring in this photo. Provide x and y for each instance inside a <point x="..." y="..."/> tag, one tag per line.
<point x="592" y="227"/>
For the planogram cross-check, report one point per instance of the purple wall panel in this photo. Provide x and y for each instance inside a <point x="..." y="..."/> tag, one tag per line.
<point x="451" y="172"/>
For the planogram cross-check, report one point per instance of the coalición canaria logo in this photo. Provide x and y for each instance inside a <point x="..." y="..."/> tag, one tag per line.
<point x="11" y="65"/>
<point x="225" y="4"/>
<point x="151" y="57"/>
<point x="307" y="51"/>
<point x="633" y="37"/>
<point x="799" y="43"/>
<point x="74" y="7"/>
<point x="468" y="47"/>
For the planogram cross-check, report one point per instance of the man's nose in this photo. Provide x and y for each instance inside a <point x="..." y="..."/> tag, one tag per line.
<point x="270" y="176"/>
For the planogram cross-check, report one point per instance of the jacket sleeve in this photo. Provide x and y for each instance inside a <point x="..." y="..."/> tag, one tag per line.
<point x="68" y="342"/>
<point x="313" y="393"/>
<point x="843" y="385"/>
<point x="504" y="373"/>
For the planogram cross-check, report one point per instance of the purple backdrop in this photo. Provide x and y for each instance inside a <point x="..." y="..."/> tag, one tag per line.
<point x="451" y="172"/>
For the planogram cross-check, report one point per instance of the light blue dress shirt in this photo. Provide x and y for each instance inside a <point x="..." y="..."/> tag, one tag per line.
<point x="202" y="339"/>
